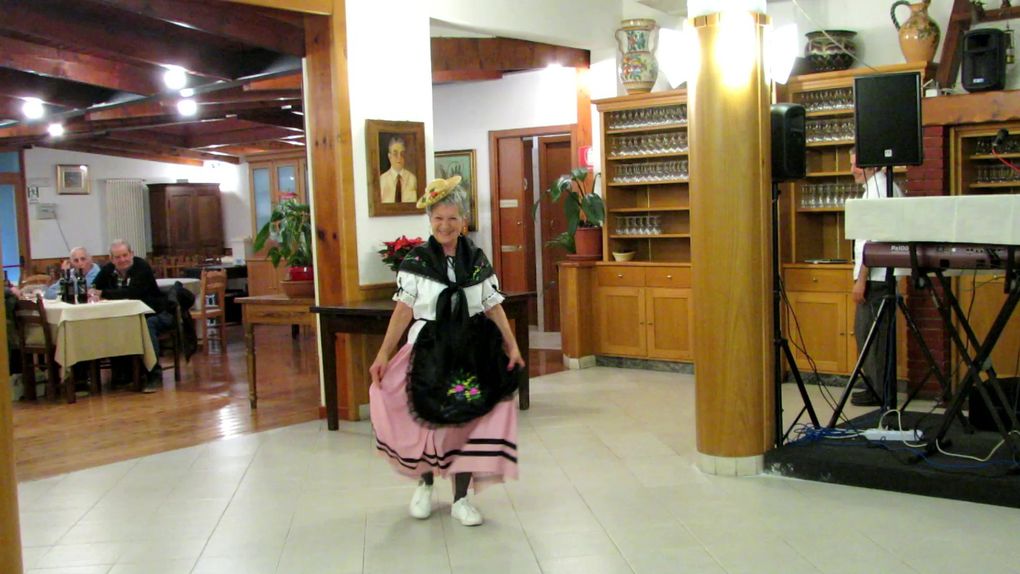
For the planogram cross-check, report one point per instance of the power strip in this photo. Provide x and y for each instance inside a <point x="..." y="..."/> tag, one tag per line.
<point x="893" y="435"/>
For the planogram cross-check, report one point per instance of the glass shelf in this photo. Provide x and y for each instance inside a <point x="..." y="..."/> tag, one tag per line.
<point x="636" y="183"/>
<point x="830" y="144"/>
<point x="647" y="155"/>
<point x="830" y="113"/>
<point x="995" y="184"/>
<point x="647" y="209"/>
<point x="990" y="156"/>
<point x="654" y="128"/>
<point x="659" y="236"/>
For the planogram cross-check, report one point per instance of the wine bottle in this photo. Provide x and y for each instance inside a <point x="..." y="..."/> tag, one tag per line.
<point x="82" y="291"/>
<point x="65" y="287"/>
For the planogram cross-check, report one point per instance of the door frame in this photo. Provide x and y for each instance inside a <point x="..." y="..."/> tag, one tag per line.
<point x="543" y="144"/>
<point x="17" y="179"/>
<point x="494" y="192"/>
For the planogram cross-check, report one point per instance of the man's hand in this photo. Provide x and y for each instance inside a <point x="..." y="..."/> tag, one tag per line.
<point x="860" y="288"/>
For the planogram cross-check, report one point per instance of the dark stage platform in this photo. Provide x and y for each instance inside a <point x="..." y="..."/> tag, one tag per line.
<point x="895" y="466"/>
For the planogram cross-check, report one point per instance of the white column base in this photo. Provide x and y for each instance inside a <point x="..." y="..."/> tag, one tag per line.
<point x="731" y="466"/>
<point x="579" y="363"/>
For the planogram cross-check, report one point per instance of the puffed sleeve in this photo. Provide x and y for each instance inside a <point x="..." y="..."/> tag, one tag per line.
<point x="490" y="293"/>
<point x="407" y="288"/>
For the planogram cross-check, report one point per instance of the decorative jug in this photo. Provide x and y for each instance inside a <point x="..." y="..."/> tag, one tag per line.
<point x="638" y="69"/>
<point x="830" y="50"/>
<point x="919" y="35"/>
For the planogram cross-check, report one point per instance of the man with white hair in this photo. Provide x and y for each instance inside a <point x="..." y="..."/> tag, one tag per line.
<point x="79" y="260"/>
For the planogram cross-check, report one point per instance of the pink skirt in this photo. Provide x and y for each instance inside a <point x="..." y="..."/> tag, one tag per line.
<point x="486" y="447"/>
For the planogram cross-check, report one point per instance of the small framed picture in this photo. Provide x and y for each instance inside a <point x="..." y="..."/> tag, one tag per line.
<point x="461" y="162"/>
<point x="396" y="166"/>
<point x="73" y="180"/>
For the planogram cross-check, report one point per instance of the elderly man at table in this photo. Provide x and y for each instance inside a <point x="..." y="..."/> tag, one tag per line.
<point x="80" y="260"/>
<point x="129" y="277"/>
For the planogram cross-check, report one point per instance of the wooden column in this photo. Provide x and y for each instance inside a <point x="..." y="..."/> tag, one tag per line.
<point x="731" y="230"/>
<point x="577" y="310"/>
<point x="10" y="533"/>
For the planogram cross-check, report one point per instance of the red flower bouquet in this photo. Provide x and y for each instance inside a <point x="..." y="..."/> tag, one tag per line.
<point x="398" y="249"/>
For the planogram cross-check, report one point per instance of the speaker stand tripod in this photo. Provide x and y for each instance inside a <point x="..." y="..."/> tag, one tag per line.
<point x="781" y="346"/>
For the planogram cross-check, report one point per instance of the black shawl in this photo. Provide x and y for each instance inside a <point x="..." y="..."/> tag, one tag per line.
<point x="458" y="366"/>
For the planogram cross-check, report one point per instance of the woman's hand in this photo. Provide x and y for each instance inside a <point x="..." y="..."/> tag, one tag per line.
<point x="378" y="368"/>
<point x="516" y="360"/>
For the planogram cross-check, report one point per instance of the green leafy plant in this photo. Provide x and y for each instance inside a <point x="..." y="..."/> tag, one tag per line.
<point x="577" y="201"/>
<point x="290" y="226"/>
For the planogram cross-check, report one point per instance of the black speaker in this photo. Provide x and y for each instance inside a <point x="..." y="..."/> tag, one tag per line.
<point x="888" y="119"/>
<point x="788" y="152"/>
<point x="981" y="415"/>
<point x="984" y="60"/>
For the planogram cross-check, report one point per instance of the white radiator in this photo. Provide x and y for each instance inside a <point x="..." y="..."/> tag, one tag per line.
<point x="125" y="213"/>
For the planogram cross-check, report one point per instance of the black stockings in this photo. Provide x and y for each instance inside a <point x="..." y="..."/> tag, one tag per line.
<point x="461" y="481"/>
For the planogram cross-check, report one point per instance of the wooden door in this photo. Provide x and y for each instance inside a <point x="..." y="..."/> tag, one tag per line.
<point x="554" y="160"/>
<point x="620" y="314"/>
<point x="158" y="220"/>
<point x="209" y="221"/>
<point x="530" y="259"/>
<point x="180" y="215"/>
<point x="510" y="204"/>
<point x="821" y="318"/>
<point x="669" y="322"/>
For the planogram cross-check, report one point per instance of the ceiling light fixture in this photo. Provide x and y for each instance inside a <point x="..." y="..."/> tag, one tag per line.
<point x="187" y="107"/>
<point x="55" y="129"/>
<point x="175" y="78"/>
<point x="187" y="92"/>
<point x="33" y="108"/>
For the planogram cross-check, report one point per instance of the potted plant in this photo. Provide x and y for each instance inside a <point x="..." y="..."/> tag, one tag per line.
<point x="290" y="228"/>
<point x="585" y="212"/>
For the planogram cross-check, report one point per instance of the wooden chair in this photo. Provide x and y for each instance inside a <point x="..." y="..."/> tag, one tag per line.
<point x="35" y="281"/>
<point x="171" y="339"/>
<point x="35" y="340"/>
<point x="212" y="298"/>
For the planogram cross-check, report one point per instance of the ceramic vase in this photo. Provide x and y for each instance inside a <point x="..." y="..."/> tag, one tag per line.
<point x="919" y="35"/>
<point x="830" y="50"/>
<point x="636" y="40"/>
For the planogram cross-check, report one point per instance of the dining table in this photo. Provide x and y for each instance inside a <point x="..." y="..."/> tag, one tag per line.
<point x="90" y="331"/>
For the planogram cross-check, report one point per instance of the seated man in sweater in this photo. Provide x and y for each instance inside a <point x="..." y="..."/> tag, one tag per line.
<point x="129" y="277"/>
<point x="81" y="261"/>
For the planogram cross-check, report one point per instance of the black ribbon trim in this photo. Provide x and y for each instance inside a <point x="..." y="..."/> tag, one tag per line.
<point x="438" y="460"/>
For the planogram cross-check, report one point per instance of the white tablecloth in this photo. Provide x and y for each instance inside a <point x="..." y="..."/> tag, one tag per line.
<point x="982" y="219"/>
<point x="98" y="330"/>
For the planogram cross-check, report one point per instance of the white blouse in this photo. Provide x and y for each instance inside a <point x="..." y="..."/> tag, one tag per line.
<point x="422" y="294"/>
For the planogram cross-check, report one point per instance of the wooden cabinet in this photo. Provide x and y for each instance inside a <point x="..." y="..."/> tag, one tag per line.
<point x="976" y="171"/>
<point x="637" y="317"/>
<point x="186" y="219"/>
<point x="645" y="178"/>
<point x="272" y="177"/>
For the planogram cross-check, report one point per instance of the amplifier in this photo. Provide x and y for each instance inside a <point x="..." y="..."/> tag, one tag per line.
<point x="939" y="255"/>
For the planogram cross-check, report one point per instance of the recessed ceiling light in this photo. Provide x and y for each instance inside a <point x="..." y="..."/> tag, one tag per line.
<point x="286" y="107"/>
<point x="33" y="108"/>
<point x="55" y="129"/>
<point x="187" y="92"/>
<point x="175" y="78"/>
<point x="187" y="107"/>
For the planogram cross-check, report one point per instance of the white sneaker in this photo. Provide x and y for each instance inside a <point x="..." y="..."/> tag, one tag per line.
<point x="466" y="513"/>
<point x="421" y="501"/>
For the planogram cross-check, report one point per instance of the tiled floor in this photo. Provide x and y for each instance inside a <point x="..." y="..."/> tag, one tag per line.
<point x="608" y="485"/>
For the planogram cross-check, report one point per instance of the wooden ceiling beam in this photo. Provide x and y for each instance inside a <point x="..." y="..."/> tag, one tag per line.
<point x="450" y="76"/>
<point x="501" y="54"/>
<point x="84" y="147"/>
<point x="78" y="26"/>
<point x="263" y="146"/>
<point x="949" y="59"/>
<point x="114" y="143"/>
<point x="240" y="136"/>
<point x="10" y="108"/>
<point x="150" y="137"/>
<point x="221" y="19"/>
<point x="79" y="67"/>
<point x="18" y="84"/>
<point x="287" y="82"/>
<point x="279" y="118"/>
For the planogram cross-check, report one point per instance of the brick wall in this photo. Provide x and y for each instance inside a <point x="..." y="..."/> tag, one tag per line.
<point x="930" y="178"/>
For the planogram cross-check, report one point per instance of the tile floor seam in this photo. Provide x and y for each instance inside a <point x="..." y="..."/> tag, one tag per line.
<point x="219" y="520"/>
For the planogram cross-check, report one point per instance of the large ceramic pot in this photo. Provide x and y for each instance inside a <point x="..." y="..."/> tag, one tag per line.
<point x="588" y="244"/>
<point x="830" y="50"/>
<point x="919" y="35"/>
<point x="636" y="40"/>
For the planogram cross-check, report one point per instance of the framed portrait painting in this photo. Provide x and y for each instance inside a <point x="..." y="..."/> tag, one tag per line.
<point x="396" y="166"/>
<point x="73" y="180"/>
<point x="461" y="162"/>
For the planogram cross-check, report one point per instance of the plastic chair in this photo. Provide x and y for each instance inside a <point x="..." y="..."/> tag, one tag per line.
<point x="212" y="299"/>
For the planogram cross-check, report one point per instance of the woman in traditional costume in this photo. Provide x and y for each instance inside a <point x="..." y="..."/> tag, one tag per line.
<point x="444" y="402"/>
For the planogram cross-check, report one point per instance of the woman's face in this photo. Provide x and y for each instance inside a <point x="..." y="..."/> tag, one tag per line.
<point x="446" y="224"/>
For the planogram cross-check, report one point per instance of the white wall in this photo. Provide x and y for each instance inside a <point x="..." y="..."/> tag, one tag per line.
<point x="82" y="217"/>
<point x="465" y="113"/>
<point x="877" y="39"/>
<point x="388" y="80"/>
